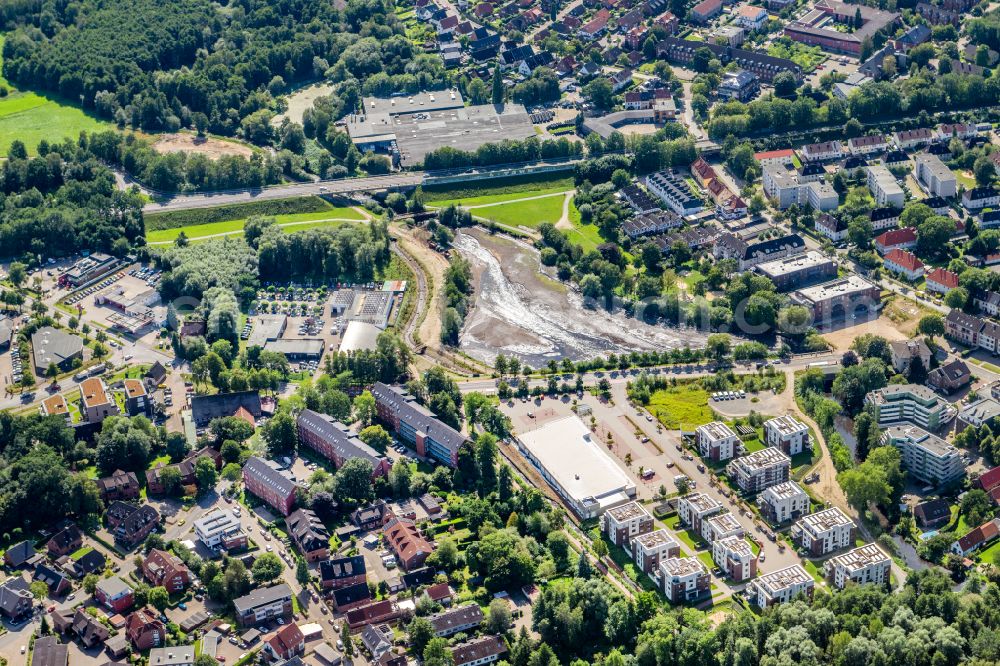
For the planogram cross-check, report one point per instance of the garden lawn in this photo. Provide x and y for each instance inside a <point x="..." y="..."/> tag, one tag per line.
<point x="296" y="222"/>
<point x="989" y="556"/>
<point x="682" y="406"/>
<point x="815" y="571"/>
<point x="31" y="117"/>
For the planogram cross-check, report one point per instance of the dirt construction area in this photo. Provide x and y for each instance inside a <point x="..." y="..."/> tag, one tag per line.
<point x="189" y="143"/>
<point x="523" y="312"/>
<point x="842" y="337"/>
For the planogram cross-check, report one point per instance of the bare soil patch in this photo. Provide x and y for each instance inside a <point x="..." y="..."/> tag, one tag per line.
<point x="189" y="143"/>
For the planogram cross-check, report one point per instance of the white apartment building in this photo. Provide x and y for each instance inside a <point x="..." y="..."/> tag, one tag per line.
<point x="824" y="532"/>
<point x="884" y="187"/>
<point x="625" y="522"/>
<point x="735" y="556"/>
<point x="781" y="586"/>
<point x="649" y="549"/>
<point x="212" y="528"/>
<point x="716" y="441"/>
<point x="693" y="509"/>
<point x="783" y="502"/>
<point x="761" y="469"/>
<point x="908" y="403"/>
<point x="926" y="456"/>
<point x="684" y="578"/>
<point x="786" y="433"/>
<point x="867" y="564"/>
<point x="721" y="526"/>
<point x="785" y="188"/>
<point x="934" y="176"/>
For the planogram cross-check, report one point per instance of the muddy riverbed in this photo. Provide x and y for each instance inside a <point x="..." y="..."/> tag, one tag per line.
<point x="522" y="312"/>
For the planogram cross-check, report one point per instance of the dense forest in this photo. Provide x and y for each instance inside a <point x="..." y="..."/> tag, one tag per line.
<point x="159" y="66"/>
<point x="62" y="201"/>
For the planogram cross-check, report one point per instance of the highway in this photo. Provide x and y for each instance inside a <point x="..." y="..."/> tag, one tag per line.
<point x="286" y="191"/>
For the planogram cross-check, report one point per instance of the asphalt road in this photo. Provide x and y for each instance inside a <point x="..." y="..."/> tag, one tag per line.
<point x="344" y="186"/>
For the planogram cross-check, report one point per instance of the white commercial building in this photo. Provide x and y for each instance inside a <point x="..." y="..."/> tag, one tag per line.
<point x="786" y="433"/>
<point x="781" y="586"/>
<point x="867" y="564"/>
<point x="783" y="502"/>
<point x="213" y="527"/>
<point x="693" y="509"/>
<point x="824" y="532"/>
<point x="716" y="441"/>
<point x="566" y="455"/>
<point x="761" y="469"/>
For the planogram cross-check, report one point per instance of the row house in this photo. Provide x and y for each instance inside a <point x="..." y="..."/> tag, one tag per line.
<point x="478" y="651"/>
<point x="911" y="139"/>
<point x="867" y="145"/>
<point x="374" y="613"/>
<point x="822" y="152"/>
<point x="941" y="281"/>
<point x="453" y="620"/>
<point x="784" y="157"/>
<point x="980" y="197"/>
<point x="896" y="239"/>
<point x="764" y="66"/>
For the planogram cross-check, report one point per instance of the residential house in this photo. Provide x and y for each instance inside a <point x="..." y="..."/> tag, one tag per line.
<point x="949" y="377"/>
<point x="374" y="613"/>
<point x="910" y="139"/>
<point x="705" y="10"/>
<point x="453" y="620"/>
<point x="751" y="17"/>
<point x="963" y="327"/>
<point x="977" y="538"/>
<point x="20" y="554"/>
<point x="164" y="569"/>
<point x="896" y="239"/>
<point x="144" y="629"/>
<point x="406" y="542"/>
<point x="309" y="534"/>
<point x="65" y="541"/>
<point x="904" y="351"/>
<point x="822" y="152"/>
<point x="741" y="86"/>
<point x="114" y="594"/>
<point x="884" y="217"/>
<point x="867" y="145"/>
<point x="264" y="604"/>
<point x="220" y="529"/>
<point x="478" y="651"/>
<point x="131" y="524"/>
<point x="56" y="581"/>
<point x="137" y="401"/>
<point x="832" y="227"/>
<point x="903" y="263"/>
<point x="941" y="280"/>
<point x="784" y="157"/>
<point x="119" y="486"/>
<point x="285" y="643"/>
<point x="932" y="513"/>
<point x="17" y="603"/>
<point x="977" y="198"/>
<point x="351" y="596"/>
<point x="48" y="651"/>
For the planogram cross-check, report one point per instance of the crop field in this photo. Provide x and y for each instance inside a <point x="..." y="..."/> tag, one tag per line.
<point x="31" y="117"/>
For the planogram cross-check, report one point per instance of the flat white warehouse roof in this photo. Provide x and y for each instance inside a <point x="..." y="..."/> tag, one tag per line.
<point x="566" y="449"/>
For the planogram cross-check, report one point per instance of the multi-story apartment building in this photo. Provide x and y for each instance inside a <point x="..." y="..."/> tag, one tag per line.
<point x="783" y="502"/>
<point x="759" y="470"/>
<point x="716" y="441"/>
<point x="417" y="425"/>
<point x="908" y="403"/>
<point x="264" y="604"/>
<point x="925" y="456"/>
<point x="780" y="586"/>
<point x="671" y="188"/>
<point x="684" y="579"/>
<point x="625" y="522"/>
<point x="337" y="442"/>
<point x="164" y="569"/>
<point x="867" y="564"/>
<point x="96" y="402"/>
<point x="824" y="532"/>
<point x="309" y="533"/>
<point x="884" y="187"/>
<point x="220" y="529"/>
<point x="453" y="620"/>
<point x="267" y="481"/>
<point x="735" y="556"/>
<point x="693" y="509"/>
<point x="934" y="176"/>
<point x="650" y="548"/>
<point x="786" y="433"/>
<point x="721" y="526"/>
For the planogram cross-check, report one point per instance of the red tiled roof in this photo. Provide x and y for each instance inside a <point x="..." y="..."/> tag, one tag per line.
<point x="943" y="277"/>
<point x="904" y="259"/>
<point x="989" y="479"/>
<point x="706" y="7"/>
<point x="895" y="237"/>
<point x="770" y="154"/>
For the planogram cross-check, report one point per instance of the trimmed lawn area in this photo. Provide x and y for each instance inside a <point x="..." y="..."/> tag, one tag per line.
<point x="332" y="215"/>
<point x="706" y="559"/>
<point x="990" y="554"/>
<point x="498" y="197"/>
<point x="815" y="571"/>
<point x="473" y="193"/>
<point x="80" y="553"/>
<point x="685" y="405"/>
<point x="31" y="117"/>
<point x="529" y="213"/>
<point x="752" y="445"/>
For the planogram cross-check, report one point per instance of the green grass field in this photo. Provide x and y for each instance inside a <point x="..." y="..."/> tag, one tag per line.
<point x="497" y="197"/>
<point x="31" y="117"/>
<point x="331" y="216"/>
<point x="529" y="213"/>
<point x="683" y="405"/>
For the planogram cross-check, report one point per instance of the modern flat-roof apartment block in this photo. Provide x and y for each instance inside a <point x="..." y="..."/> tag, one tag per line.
<point x="907" y="403"/>
<point x="783" y="502"/>
<point x="716" y="441"/>
<point x="884" y="187"/>
<point x="927" y="457"/>
<point x="220" y="529"/>
<point x="576" y="467"/>
<point x="735" y="556"/>
<point x="625" y="522"/>
<point x="824" y="532"/>
<point x="786" y="433"/>
<point x="721" y="526"/>
<point x="798" y="270"/>
<point x="684" y="579"/>
<point x="761" y="469"/>
<point x="417" y="425"/>
<point x="693" y="509"/>
<point x="650" y="548"/>
<point x="867" y="564"/>
<point x="934" y="176"/>
<point x="781" y="586"/>
<point x="840" y="298"/>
